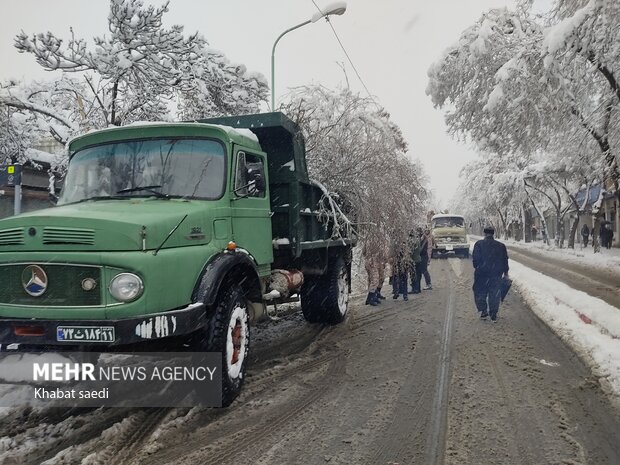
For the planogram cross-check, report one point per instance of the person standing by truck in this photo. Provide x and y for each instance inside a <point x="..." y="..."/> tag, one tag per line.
<point x="415" y="246"/>
<point x="374" y="262"/>
<point x="422" y="258"/>
<point x="401" y="264"/>
<point x="490" y="260"/>
<point x="426" y="252"/>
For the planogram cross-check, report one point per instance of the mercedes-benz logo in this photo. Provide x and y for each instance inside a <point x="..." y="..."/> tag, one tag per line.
<point x="34" y="280"/>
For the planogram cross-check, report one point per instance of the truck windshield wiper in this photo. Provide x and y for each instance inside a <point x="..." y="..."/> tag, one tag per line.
<point x="99" y="197"/>
<point x="145" y="188"/>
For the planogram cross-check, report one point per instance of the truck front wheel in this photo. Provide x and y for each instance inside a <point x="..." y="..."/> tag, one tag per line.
<point x="325" y="299"/>
<point x="228" y="332"/>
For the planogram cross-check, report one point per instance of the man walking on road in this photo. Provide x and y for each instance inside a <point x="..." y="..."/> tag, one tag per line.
<point x="490" y="260"/>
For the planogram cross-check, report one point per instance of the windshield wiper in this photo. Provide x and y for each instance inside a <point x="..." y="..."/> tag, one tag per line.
<point x="99" y="197"/>
<point x="145" y="188"/>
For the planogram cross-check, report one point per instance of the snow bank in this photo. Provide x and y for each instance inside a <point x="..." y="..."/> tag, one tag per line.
<point x="587" y="324"/>
<point x="607" y="259"/>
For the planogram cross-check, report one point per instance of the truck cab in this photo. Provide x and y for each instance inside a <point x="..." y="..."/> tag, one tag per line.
<point x="449" y="235"/>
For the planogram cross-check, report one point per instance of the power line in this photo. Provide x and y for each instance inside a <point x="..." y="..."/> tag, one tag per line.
<point x="347" y="55"/>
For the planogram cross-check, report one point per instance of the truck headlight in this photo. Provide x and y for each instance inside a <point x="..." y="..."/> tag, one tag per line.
<point x="126" y="287"/>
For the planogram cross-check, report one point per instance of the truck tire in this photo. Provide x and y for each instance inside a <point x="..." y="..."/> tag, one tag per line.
<point x="228" y="332"/>
<point x="325" y="299"/>
<point x="465" y="254"/>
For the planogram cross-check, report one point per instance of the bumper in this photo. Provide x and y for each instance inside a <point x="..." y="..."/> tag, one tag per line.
<point x="111" y="333"/>
<point x="450" y="247"/>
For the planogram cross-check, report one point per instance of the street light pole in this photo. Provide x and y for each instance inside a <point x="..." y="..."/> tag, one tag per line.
<point x="273" y="57"/>
<point x="336" y="8"/>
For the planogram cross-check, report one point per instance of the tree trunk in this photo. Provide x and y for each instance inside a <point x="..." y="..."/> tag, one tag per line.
<point x="556" y="237"/>
<point x="527" y="223"/>
<point x="504" y="227"/>
<point x="561" y="235"/>
<point x="596" y="230"/>
<point x="573" y="232"/>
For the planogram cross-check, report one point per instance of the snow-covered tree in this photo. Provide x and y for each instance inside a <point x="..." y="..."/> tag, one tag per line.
<point x="139" y="70"/>
<point x="521" y="90"/>
<point x="15" y="135"/>
<point x="585" y="39"/>
<point x="356" y="150"/>
<point x="492" y="191"/>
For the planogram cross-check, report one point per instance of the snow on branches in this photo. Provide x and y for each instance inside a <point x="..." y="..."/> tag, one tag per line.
<point x="355" y="150"/>
<point x="542" y="97"/>
<point x="141" y="71"/>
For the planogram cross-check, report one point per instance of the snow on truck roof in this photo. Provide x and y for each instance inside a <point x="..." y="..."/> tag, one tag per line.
<point x="238" y="133"/>
<point x="447" y="216"/>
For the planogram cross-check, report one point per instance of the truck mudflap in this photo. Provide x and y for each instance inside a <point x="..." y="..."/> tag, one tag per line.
<point x="99" y="334"/>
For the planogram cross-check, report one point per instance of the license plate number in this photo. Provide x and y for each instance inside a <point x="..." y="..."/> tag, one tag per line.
<point x="85" y="334"/>
<point x="449" y="247"/>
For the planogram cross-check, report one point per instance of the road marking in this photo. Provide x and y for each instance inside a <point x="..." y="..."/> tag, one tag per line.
<point x="437" y="439"/>
<point x="457" y="266"/>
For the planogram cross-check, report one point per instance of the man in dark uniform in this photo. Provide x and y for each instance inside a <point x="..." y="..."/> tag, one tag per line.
<point x="490" y="263"/>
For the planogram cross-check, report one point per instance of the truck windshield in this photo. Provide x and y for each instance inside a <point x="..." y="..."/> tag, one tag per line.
<point x="193" y="168"/>
<point x="448" y="222"/>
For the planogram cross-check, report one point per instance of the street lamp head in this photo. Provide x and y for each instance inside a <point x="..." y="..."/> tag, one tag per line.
<point x="335" y="8"/>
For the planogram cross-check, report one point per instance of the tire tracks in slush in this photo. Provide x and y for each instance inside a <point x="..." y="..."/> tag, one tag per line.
<point x="251" y="436"/>
<point x="128" y="448"/>
<point x="123" y="453"/>
<point x="417" y="432"/>
<point x="268" y="381"/>
<point x="439" y="415"/>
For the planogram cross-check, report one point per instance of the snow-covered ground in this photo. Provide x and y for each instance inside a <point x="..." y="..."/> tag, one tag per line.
<point x="588" y="325"/>
<point x="608" y="259"/>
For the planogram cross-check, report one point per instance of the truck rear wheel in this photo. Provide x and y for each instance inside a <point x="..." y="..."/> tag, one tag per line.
<point x="325" y="299"/>
<point x="228" y="332"/>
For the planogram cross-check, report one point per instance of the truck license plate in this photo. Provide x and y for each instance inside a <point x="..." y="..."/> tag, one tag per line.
<point x="85" y="333"/>
<point x="449" y="247"/>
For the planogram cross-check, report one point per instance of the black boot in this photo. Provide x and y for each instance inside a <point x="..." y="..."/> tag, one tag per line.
<point x="372" y="299"/>
<point x="378" y="294"/>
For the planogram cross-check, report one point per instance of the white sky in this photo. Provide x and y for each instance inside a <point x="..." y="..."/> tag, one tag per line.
<point x="391" y="42"/>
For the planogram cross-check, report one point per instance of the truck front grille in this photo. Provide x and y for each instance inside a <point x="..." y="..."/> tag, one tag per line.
<point x="64" y="285"/>
<point x="450" y="239"/>
<point x="53" y="235"/>
<point x="13" y="236"/>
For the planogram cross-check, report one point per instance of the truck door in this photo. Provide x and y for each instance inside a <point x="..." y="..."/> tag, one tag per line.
<point x="251" y="220"/>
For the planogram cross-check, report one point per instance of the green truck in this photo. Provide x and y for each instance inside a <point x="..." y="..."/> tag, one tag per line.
<point x="175" y="233"/>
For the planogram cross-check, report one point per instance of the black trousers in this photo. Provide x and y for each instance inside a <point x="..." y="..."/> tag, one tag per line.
<point x="399" y="283"/>
<point x="424" y="270"/>
<point x="487" y="294"/>
<point x="421" y="269"/>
